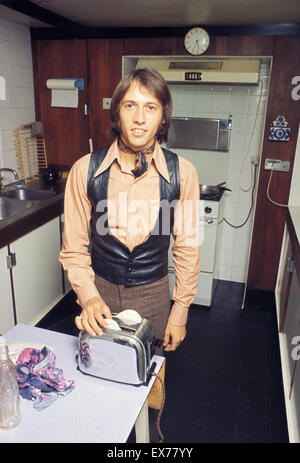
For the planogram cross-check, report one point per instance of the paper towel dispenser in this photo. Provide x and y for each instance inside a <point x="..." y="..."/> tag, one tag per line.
<point x="210" y="134"/>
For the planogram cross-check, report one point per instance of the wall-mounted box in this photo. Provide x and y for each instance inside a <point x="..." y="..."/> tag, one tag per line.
<point x="277" y="164"/>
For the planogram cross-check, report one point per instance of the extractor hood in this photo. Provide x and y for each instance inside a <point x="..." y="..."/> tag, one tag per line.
<point x="219" y="71"/>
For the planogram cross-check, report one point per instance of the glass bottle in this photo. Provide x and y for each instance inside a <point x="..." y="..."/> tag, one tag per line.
<point x="10" y="414"/>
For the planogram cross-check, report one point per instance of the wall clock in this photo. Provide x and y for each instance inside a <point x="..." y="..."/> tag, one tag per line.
<point x="196" y="41"/>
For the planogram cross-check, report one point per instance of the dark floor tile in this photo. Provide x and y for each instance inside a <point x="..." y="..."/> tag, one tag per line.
<point x="222" y="413"/>
<point x="275" y="410"/>
<point x="276" y="432"/>
<point x="62" y="317"/>
<point x="239" y="439"/>
<point x="185" y="410"/>
<point x="252" y="403"/>
<point x="183" y="432"/>
<point x="251" y="425"/>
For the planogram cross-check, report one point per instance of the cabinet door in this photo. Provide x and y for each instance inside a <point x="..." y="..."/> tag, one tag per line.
<point x="37" y="275"/>
<point x="292" y="339"/>
<point x="283" y="280"/>
<point x="6" y="306"/>
<point x="292" y="323"/>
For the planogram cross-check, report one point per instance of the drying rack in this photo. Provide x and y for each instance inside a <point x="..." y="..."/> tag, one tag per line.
<point x="31" y="153"/>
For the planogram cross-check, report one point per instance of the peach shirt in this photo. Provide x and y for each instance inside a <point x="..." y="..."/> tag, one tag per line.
<point x="131" y="216"/>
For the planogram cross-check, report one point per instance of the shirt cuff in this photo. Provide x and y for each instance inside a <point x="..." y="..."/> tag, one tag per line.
<point x="86" y="292"/>
<point x="178" y="315"/>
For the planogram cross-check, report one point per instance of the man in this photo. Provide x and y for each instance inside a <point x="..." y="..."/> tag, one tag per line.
<point x="117" y="256"/>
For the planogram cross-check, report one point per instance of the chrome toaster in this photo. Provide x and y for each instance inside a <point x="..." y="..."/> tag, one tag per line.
<point x="123" y="355"/>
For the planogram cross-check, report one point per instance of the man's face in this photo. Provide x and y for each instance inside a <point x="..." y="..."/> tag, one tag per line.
<point x="140" y="116"/>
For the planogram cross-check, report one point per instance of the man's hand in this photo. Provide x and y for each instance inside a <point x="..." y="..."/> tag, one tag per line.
<point x="174" y="335"/>
<point x="92" y="318"/>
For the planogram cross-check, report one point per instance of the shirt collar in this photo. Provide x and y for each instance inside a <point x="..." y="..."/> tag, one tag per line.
<point x="113" y="155"/>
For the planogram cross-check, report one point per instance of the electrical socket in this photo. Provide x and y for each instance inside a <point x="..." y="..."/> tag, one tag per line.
<point x="277" y="164"/>
<point x="106" y="103"/>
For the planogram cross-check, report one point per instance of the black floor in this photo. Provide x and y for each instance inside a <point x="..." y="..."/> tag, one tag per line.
<point x="224" y="383"/>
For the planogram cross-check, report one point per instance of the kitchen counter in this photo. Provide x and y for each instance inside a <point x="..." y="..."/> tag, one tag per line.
<point x="34" y="216"/>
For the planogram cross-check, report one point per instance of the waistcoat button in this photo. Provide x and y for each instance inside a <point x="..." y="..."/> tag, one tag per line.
<point x="129" y="279"/>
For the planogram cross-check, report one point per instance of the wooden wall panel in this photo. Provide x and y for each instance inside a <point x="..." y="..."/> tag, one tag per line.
<point x="150" y="46"/>
<point x="65" y="129"/>
<point x="105" y="71"/>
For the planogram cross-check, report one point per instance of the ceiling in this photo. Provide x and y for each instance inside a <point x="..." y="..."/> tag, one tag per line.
<point x="151" y="13"/>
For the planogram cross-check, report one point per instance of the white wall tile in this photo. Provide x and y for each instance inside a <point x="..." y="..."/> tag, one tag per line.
<point x="16" y="67"/>
<point x="202" y="103"/>
<point x="238" y="104"/>
<point x="220" y="103"/>
<point x="256" y="104"/>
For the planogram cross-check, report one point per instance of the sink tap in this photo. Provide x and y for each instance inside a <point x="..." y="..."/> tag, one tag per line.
<point x="6" y="169"/>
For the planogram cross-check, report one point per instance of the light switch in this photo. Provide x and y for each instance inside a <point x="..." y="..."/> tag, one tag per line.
<point x="106" y="103"/>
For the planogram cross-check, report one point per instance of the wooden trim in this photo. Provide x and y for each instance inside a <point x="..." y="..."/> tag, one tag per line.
<point x="292" y="379"/>
<point x="295" y="244"/>
<point x="42" y="33"/>
<point x="68" y="28"/>
<point x="286" y="301"/>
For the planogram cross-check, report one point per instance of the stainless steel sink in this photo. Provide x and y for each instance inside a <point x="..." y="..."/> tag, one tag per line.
<point x="27" y="194"/>
<point x="10" y="207"/>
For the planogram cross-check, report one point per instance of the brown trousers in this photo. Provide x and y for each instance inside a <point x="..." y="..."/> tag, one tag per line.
<point x="151" y="301"/>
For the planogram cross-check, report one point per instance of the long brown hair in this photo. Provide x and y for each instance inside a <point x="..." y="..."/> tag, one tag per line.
<point x="154" y="83"/>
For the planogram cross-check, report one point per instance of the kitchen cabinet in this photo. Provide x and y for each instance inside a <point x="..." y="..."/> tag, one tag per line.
<point x="287" y="296"/>
<point x="284" y="278"/>
<point x="35" y="279"/>
<point x="7" y="313"/>
<point x="37" y="275"/>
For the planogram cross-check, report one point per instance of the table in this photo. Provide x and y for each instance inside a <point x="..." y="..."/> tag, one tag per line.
<point x="95" y="411"/>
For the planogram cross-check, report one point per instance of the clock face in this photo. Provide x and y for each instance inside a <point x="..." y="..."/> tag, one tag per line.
<point x="196" y="41"/>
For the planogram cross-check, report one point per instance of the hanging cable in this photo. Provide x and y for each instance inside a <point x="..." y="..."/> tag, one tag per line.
<point x="161" y="408"/>
<point x="252" y="204"/>
<point x="268" y="193"/>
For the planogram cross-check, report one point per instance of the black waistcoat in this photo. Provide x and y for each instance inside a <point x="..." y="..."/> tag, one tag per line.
<point x="111" y="259"/>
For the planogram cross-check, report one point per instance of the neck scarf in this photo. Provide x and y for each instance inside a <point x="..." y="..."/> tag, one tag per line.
<point x="141" y="165"/>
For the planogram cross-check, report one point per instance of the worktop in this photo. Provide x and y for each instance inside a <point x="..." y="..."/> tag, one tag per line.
<point x="32" y="217"/>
